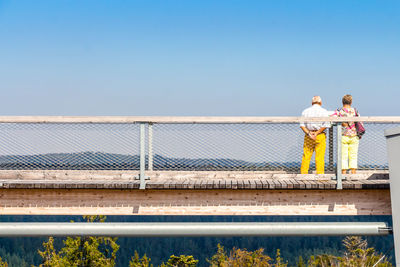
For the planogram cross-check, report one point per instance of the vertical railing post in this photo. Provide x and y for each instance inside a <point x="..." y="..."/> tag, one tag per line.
<point x="150" y="147"/>
<point x="339" y="156"/>
<point x="330" y="145"/>
<point x="142" y="156"/>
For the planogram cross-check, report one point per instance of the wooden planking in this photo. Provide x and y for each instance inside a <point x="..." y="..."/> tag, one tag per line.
<point x="195" y="202"/>
<point x="161" y="176"/>
<point x="179" y="180"/>
<point x="78" y="175"/>
<point x="167" y="119"/>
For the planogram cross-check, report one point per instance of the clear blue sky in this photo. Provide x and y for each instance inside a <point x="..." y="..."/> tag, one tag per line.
<point x="263" y="58"/>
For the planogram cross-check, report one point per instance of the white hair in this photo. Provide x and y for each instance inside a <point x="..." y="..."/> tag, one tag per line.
<point x="316" y="99"/>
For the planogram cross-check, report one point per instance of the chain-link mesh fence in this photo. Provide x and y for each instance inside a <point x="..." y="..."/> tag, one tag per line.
<point x="247" y="147"/>
<point x="372" y="152"/>
<point x="255" y="147"/>
<point x="188" y="146"/>
<point x="69" y="146"/>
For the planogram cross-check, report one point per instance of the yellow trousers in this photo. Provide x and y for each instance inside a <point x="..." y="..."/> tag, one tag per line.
<point x="349" y="152"/>
<point x="319" y="146"/>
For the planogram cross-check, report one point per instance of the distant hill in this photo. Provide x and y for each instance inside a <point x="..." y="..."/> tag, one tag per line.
<point x="100" y="160"/>
<point x="112" y="161"/>
<point x="81" y="160"/>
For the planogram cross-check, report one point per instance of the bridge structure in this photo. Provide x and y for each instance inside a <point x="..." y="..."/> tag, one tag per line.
<point x="187" y="166"/>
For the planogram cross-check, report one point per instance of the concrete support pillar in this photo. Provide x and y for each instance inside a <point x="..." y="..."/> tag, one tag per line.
<point x="393" y="148"/>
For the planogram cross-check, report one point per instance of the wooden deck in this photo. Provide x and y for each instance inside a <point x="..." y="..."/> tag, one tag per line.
<point x="191" y="193"/>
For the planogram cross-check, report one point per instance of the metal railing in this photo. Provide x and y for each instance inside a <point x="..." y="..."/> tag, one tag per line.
<point x="176" y="229"/>
<point x="178" y="143"/>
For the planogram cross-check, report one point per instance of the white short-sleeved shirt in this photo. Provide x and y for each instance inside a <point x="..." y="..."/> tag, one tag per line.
<point x="315" y="111"/>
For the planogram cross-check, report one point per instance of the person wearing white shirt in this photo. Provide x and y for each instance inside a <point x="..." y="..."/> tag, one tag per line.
<point x="315" y="137"/>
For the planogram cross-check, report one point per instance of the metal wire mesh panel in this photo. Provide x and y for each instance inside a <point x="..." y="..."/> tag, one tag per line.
<point x="372" y="153"/>
<point x="271" y="147"/>
<point x="331" y="150"/>
<point x="250" y="147"/>
<point x="69" y="146"/>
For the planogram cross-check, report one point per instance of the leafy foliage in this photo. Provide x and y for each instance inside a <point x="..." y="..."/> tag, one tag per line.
<point x="49" y="254"/>
<point x="323" y="260"/>
<point x="301" y="262"/>
<point x="2" y="263"/>
<point x="356" y="254"/>
<point x="136" y="261"/>
<point x="278" y="260"/>
<point x="81" y="251"/>
<point x="181" y="261"/>
<point x="240" y="257"/>
<point x="220" y="258"/>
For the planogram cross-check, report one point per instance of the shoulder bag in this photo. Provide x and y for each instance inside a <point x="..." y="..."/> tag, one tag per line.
<point x="359" y="126"/>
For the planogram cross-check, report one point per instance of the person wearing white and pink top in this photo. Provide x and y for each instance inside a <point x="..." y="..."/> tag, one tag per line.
<point x="350" y="140"/>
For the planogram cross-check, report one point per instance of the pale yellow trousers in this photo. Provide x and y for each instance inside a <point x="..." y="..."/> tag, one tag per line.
<point x="349" y="152"/>
<point x="319" y="146"/>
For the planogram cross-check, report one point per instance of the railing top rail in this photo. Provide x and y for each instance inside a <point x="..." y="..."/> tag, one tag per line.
<point x="187" y="120"/>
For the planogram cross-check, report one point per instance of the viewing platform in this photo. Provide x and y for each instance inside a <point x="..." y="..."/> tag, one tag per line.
<point x="184" y="166"/>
